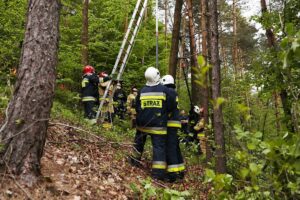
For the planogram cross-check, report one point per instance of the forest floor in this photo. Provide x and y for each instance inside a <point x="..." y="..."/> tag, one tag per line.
<point x="80" y="165"/>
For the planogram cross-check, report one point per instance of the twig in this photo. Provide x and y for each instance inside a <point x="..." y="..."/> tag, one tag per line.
<point x="79" y="129"/>
<point x="25" y="129"/>
<point x="17" y="183"/>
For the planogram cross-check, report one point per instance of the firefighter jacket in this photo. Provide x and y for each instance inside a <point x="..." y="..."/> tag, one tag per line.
<point x="108" y="101"/>
<point x="89" y="87"/>
<point x="119" y="98"/>
<point x="153" y="104"/>
<point x="199" y="128"/>
<point x="174" y="116"/>
<point x="131" y="103"/>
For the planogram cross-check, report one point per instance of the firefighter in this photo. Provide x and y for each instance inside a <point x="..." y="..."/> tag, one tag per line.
<point x="199" y="137"/>
<point x="119" y="101"/>
<point x="184" y="119"/>
<point x="175" y="164"/>
<point x="153" y="104"/>
<point x="89" y="92"/>
<point x="131" y="106"/>
<point x="195" y="120"/>
<point x="107" y="110"/>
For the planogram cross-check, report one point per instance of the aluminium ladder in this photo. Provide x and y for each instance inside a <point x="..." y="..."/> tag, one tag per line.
<point x="131" y="33"/>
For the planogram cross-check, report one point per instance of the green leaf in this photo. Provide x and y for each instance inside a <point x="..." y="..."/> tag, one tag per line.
<point x="244" y="172"/>
<point x="253" y="167"/>
<point x="251" y="146"/>
<point x="219" y="101"/>
<point x="209" y="175"/>
<point x="295" y="45"/>
<point x="201" y="61"/>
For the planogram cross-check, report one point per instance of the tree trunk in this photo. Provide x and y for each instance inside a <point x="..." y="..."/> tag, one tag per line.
<point x="85" y="33"/>
<point x="235" y="46"/>
<point x="175" y="38"/>
<point x="216" y="90"/>
<point x="196" y="89"/>
<point x="24" y="132"/>
<point x="269" y="32"/>
<point x="205" y="89"/>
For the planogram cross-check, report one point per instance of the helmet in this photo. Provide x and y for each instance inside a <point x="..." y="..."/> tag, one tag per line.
<point x="103" y="74"/>
<point x="119" y="86"/>
<point x="88" y="69"/>
<point x="152" y="76"/>
<point x="197" y="109"/>
<point x="134" y="89"/>
<point x="167" y="79"/>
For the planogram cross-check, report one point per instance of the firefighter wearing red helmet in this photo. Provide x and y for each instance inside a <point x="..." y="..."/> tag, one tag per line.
<point x="89" y="91"/>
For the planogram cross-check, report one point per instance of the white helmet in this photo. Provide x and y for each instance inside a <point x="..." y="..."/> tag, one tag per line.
<point x="152" y="76"/>
<point x="167" y="79"/>
<point x="197" y="109"/>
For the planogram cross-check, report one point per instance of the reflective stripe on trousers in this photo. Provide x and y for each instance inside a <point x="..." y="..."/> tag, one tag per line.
<point x="176" y="168"/>
<point x="88" y="98"/>
<point x="174" y="124"/>
<point x="153" y="130"/>
<point x="159" y="165"/>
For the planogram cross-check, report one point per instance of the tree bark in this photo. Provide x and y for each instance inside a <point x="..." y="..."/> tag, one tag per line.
<point x="235" y="46"/>
<point x="175" y="39"/>
<point x="196" y="89"/>
<point x="85" y="33"/>
<point x="23" y="133"/>
<point x="216" y="89"/>
<point x="205" y="89"/>
<point x="269" y="33"/>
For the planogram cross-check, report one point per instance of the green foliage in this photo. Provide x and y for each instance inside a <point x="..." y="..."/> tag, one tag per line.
<point x="262" y="169"/>
<point x="149" y="191"/>
<point x="12" y="20"/>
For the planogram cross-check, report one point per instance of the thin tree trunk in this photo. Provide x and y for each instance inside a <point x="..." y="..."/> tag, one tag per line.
<point x="85" y="33"/>
<point x="235" y="46"/>
<point x="216" y="90"/>
<point x="24" y="132"/>
<point x="175" y="39"/>
<point x="277" y="112"/>
<point x="126" y="16"/>
<point x="205" y="89"/>
<point x="269" y="33"/>
<point x="196" y="89"/>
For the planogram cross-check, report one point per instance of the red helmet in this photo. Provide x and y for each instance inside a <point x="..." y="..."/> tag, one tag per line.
<point x="88" y="69"/>
<point x="102" y="74"/>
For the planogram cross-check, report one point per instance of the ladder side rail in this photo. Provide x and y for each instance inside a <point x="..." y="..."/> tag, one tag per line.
<point x="126" y="36"/>
<point x="129" y="48"/>
<point x="118" y="57"/>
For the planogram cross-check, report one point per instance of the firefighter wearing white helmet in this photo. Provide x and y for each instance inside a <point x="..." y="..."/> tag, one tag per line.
<point x="196" y="124"/>
<point x="152" y="76"/>
<point x="153" y="104"/>
<point x="175" y="164"/>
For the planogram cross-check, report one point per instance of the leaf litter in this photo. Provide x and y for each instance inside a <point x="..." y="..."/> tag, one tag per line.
<point x="76" y="166"/>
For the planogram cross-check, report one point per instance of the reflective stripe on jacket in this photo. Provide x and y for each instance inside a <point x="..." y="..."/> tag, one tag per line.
<point x="153" y="104"/>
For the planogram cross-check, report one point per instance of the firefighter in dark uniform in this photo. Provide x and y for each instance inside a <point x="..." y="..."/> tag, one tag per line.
<point x="175" y="164"/>
<point x="184" y="119"/>
<point x="120" y="102"/>
<point x="89" y="91"/>
<point x="194" y="120"/>
<point x="153" y="104"/>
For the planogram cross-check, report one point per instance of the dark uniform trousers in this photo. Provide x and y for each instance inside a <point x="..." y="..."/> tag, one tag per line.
<point x="158" y="148"/>
<point x="88" y="109"/>
<point x="175" y="164"/>
<point x="153" y="105"/>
